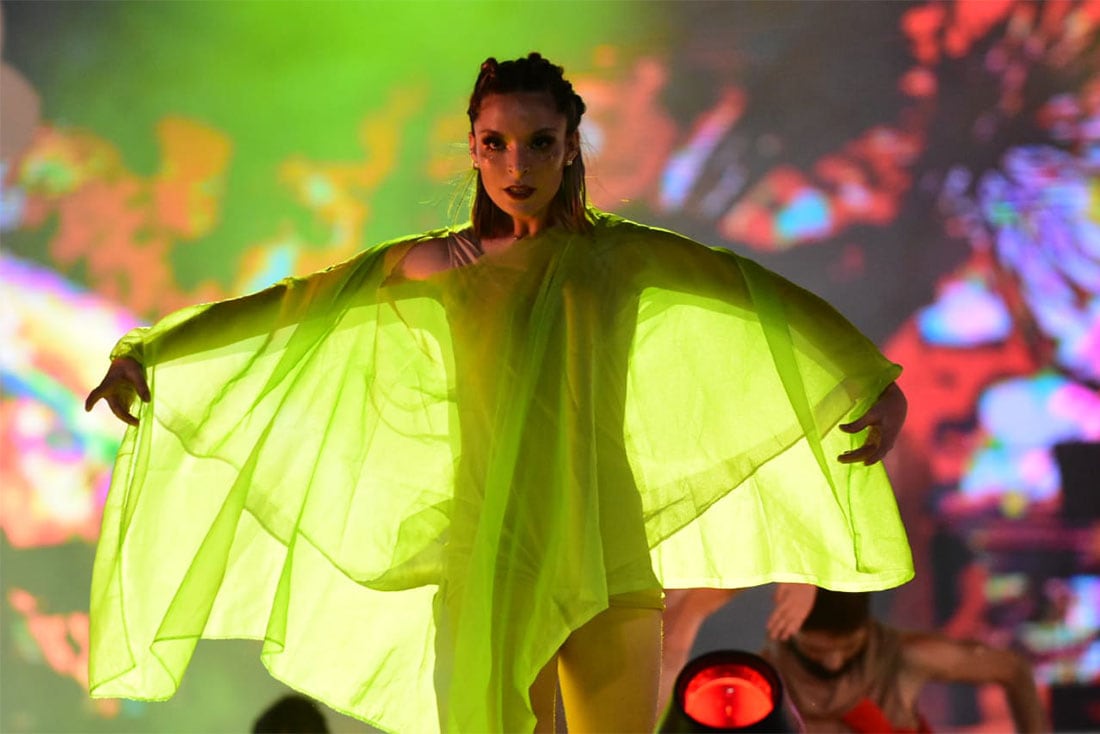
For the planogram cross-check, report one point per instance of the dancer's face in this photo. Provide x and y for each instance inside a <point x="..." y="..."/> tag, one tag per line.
<point x="520" y="146"/>
<point x="829" y="655"/>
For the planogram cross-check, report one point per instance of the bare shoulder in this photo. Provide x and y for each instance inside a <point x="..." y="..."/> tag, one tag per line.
<point x="422" y="259"/>
<point x="918" y="647"/>
<point x="928" y="656"/>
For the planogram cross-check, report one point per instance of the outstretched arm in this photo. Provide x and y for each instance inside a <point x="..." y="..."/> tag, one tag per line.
<point x="317" y="299"/>
<point x="125" y="378"/>
<point x="935" y="657"/>
<point x="883" y="422"/>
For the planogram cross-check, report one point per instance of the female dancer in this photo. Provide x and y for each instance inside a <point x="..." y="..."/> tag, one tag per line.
<point x="463" y="464"/>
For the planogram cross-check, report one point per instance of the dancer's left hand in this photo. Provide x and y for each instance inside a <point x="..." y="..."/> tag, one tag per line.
<point x="883" y="422"/>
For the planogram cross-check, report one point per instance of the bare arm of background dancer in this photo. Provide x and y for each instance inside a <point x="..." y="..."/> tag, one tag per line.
<point x="930" y="657"/>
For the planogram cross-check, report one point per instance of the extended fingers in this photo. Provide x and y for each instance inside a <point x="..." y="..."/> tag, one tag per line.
<point x="881" y="435"/>
<point x="132" y="373"/>
<point x="123" y="379"/>
<point x="93" y="397"/>
<point x="783" y="623"/>
<point x="120" y="410"/>
<point x="779" y="628"/>
<point x="884" y="420"/>
<point x="867" y="453"/>
<point x="857" y="425"/>
<point x="136" y="376"/>
<point x="793" y="602"/>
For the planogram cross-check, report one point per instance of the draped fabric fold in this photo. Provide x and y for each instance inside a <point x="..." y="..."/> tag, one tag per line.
<point x="413" y="491"/>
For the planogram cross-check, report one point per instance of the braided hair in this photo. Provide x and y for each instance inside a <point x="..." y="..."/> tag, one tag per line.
<point x="532" y="73"/>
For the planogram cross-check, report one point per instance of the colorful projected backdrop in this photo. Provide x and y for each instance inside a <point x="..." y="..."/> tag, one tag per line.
<point x="931" y="168"/>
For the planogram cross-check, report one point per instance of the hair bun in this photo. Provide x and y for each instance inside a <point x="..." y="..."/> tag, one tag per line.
<point x="530" y="73"/>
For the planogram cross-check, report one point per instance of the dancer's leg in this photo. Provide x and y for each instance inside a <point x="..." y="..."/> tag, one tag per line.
<point x="609" y="672"/>
<point x="544" y="697"/>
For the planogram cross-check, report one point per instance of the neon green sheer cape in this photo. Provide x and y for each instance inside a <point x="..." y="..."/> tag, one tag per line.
<point x="413" y="491"/>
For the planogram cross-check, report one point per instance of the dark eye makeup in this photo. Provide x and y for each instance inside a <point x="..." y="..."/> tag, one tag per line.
<point x="541" y="141"/>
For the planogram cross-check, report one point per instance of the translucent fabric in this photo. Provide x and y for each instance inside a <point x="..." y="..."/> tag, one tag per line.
<point x="413" y="491"/>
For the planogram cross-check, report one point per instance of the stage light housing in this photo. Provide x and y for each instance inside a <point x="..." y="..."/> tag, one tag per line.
<point x="728" y="691"/>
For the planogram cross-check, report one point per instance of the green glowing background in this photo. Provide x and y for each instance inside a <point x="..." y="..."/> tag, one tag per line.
<point x="375" y="90"/>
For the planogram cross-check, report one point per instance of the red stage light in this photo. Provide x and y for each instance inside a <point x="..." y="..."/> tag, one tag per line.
<point x="728" y="696"/>
<point x="727" y="691"/>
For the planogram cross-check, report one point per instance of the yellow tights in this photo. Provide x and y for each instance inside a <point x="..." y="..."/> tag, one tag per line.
<point x="608" y="670"/>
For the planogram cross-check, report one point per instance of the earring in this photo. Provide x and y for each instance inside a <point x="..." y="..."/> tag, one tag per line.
<point x="569" y="162"/>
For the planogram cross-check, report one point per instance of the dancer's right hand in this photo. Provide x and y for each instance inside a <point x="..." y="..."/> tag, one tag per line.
<point x="124" y="378"/>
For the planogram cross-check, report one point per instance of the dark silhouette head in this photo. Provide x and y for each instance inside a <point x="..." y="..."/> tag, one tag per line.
<point x="834" y="636"/>
<point x="838" y="612"/>
<point x="291" y="714"/>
